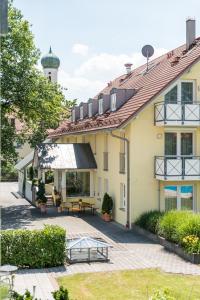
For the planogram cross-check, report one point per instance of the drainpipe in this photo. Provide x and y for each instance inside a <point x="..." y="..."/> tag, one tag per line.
<point x="128" y="223"/>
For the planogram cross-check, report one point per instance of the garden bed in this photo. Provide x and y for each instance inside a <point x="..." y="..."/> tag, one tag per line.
<point x="193" y="258"/>
<point x="177" y="231"/>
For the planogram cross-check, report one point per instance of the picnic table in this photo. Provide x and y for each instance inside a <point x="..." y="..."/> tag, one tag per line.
<point x="79" y="206"/>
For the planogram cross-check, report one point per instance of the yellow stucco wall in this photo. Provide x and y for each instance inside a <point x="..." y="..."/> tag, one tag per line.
<point x="146" y="142"/>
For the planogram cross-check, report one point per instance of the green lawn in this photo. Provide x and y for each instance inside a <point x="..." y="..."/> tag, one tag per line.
<point x="127" y="285"/>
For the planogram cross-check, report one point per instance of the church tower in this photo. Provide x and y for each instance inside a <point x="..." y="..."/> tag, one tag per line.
<point x="50" y="63"/>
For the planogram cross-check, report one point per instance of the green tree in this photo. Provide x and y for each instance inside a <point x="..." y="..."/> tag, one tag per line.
<point x="25" y="92"/>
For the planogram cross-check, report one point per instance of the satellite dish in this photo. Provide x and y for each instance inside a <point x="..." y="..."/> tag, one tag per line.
<point x="147" y="51"/>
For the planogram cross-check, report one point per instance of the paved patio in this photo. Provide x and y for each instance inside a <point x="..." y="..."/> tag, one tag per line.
<point x="129" y="250"/>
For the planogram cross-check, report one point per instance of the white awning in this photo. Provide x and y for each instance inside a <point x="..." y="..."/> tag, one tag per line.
<point x="64" y="156"/>
<point x="25" y="161"/>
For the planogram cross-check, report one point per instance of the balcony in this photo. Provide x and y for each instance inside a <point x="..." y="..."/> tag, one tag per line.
<point x="177" y="114"/>
<point x="177" y="167"/>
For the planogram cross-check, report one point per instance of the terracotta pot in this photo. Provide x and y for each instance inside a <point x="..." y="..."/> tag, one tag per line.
<point x="107" y="217"/>
<point x="43" y="208"/>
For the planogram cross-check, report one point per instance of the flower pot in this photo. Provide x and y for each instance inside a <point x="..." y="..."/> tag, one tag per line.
<point x="107" y="217"/>
<point x="43" y="208"/>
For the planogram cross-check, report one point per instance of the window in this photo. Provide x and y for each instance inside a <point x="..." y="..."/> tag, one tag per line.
<point x="122" y="154"/>
<point x="171" y="96"/>
<point x="81" y="112"/>
<point x="113" y="102"/>
<point x="106" y="188"/>
<point x="78" y="184"/>
<point x="178" y="197"/>
<point x="122" y="195"/>
<point x="183" y="93"/>
<point x="178" y="143"/>
<point x="101" y="106"/>
<point x="90" y="110"/>
<point x="186" y="92"/>
<point x="99" y="193"/>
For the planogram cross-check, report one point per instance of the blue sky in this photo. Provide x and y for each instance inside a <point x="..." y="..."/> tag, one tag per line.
<point x="94" y="38"/>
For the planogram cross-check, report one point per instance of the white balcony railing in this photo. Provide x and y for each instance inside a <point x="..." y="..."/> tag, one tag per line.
<point x="177" y="167"/>
<point x="177" y="114"/>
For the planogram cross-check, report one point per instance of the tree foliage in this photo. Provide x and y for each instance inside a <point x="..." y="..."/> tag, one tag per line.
<point x="25" y="92"/>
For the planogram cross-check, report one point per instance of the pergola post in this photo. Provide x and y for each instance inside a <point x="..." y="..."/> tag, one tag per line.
<point x="56" y="179"/>
<point x="43" y="176"/>
<point x="63" y="185"/>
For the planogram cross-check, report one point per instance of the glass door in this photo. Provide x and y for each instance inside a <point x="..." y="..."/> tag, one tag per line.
<point x="186" y="92"/>
<point x="187" y="144"/>
<point x="171" y="143"/>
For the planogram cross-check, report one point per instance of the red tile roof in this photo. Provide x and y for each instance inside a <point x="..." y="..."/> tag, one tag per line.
<point x="162" y="71"/>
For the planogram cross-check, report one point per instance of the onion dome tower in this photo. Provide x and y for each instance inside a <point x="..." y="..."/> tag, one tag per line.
<point x="50" y="63"/>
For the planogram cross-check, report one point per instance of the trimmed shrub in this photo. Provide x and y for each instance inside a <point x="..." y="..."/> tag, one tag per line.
<point x="33" y="248"/>
<point x="150" y="220"/>
<point x="170" y="222"/>
<point x="107" y="205"/>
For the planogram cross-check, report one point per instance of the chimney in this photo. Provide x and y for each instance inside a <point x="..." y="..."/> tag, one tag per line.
<point x="190" y="32"/>
<point x="128" y="68"/>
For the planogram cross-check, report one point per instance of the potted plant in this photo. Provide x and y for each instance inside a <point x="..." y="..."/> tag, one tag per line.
<point x="61" y="294"/>
<point x="107" y="207"/>
<point x="41" y="198"/>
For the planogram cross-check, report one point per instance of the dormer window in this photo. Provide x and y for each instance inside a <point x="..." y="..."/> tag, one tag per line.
<point x="90" y="109"/>
<point x="81" y="112"/>
<point x="113" y="102"/>
<point x="101" y="106"/>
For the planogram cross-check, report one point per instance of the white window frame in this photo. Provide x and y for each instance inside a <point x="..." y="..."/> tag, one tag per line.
<point x="178" y="84"/>
<point x="106" y="186"/>
<point x="90" y="109"/>
<point x="81" y="112"/>
<point x="113" y="101"/>
<point x="99" y="188"/>
<point x="100" y="106"/>
<point x="179" y="194"/>
<point x="123" y="197"/>
<point x="178" y="137"/>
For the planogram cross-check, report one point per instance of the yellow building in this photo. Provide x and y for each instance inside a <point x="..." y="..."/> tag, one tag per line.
<point x="144" y="132"/>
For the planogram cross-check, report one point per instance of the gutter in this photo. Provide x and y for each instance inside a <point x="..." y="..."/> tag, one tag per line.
<point x="128" y="222"/>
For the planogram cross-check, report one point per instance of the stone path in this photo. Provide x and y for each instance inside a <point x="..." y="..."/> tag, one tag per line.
<point x="129" y="250"/>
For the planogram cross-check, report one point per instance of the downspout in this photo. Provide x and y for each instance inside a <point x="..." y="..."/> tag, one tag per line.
<point x="128" y="223"/>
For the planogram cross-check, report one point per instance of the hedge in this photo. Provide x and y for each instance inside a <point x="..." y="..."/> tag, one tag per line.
<point x="150" y="220"/>
<point x="33" y="248"/>
<point x="180" y="227"/>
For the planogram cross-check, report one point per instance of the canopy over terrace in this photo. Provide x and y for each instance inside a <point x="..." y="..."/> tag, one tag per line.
<point x="63" y="159"/>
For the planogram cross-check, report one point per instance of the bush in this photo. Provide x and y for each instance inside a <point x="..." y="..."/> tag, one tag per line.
<point x="33" y="248"/>
<point x="190" y="226"/>
<point x="191" y="244"/>
<point x="150" y="220"/>
<point x="107" y="204"/>
<point x="170" y="222"/>
<point x="41" y="192"/>
<point x="61" y="294"/>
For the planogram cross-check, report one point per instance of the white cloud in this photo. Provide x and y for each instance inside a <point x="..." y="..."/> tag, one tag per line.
<point x="80" y="49"/>
<point x="94" y="73"/>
